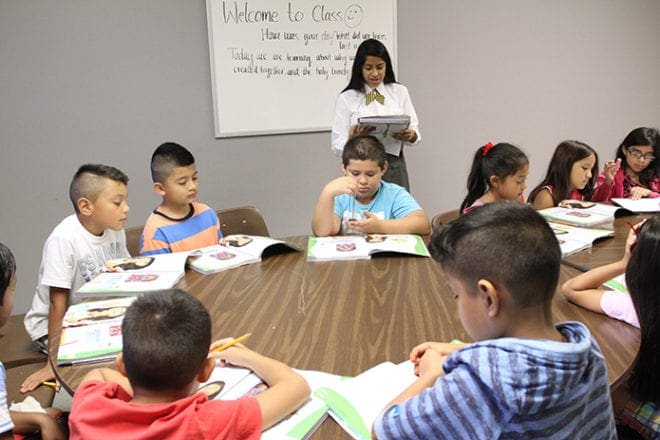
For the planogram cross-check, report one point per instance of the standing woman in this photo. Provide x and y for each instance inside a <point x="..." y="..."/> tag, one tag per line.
<point x="373" y="90"/>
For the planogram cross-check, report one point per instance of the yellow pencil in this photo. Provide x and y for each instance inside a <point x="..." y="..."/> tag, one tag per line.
<point x="232" y="343"/>
<point x="50" y="384"/>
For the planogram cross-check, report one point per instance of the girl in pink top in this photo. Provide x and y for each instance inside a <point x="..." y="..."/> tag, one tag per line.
<point x="635" y="172"/>
<point x="499" y="172"/>
<point x="571" y="175"/>
<point x="637" y="404"/>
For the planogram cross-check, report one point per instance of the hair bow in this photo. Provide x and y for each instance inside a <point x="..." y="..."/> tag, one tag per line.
<point x="486" y="148"/>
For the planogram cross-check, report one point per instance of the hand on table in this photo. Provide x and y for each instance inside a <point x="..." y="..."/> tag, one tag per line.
<point x="37" y="379"/>
<point x="437" y="352"/>
<point x="639" y="192"/>
<point x="369" y="224"/>
<point x="237" y="355"/>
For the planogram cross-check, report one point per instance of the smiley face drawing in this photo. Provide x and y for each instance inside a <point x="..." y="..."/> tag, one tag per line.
<point x="353" y="16"/>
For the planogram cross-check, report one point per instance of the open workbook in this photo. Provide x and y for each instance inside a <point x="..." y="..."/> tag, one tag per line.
<point x="234" y="251"/>
<point x="356" y="247"/>
<point x="129" y="276"/>
<point x="384" y="126"/>
<point x="573" y="239"/>
<point x="356" y="402"/>
<point x="238" y="382"/>
<point x="583" y="213"/>
<point x="91" y="331"/>
<point x="640" y="205"/>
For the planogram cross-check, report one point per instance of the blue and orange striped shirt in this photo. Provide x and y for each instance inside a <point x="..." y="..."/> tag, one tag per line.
<point x="163" y="234"/>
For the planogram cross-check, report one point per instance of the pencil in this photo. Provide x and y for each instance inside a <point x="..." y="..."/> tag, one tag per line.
<point x="231" y="343"/>
<point x="50" y="384"/>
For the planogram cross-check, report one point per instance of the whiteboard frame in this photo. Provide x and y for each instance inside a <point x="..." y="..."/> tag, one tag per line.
<point x="215" y="93"/>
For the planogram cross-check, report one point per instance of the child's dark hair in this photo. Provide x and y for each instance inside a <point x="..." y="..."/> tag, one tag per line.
<point x="374" y="48"/>
<point x="7" y="269"/>
<point x="166" y="339"/>
<point x="643" y="136"/>
<point x="506" y="243"/>
<point x="499" y="160"/>
<point x="167" y="156"/>
<point x="88" y="182"/>
<point x="364" y="147"/>
<point x="642" y="279"/>
<point x="559" y="171"/>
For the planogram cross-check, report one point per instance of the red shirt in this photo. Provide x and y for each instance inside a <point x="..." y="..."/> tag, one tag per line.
<point x="621" y="186"/>
<point x="103" y="410"/>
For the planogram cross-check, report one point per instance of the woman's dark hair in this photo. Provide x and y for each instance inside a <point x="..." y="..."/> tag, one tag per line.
<point x="643" y="136"/>
<point x="642" y="279"/>
<point x="374" y="48"/>
<point x="559" y="171"/>
<point x="499" y="160"/>
<point x="7" y="269"/>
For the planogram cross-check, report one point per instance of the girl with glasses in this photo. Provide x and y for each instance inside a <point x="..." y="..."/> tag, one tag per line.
<point x="634" y="174"/>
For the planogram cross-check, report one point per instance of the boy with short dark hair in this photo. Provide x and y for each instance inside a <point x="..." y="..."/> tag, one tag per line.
<point x="76" y="251"/>
<point x="167" y="339"/>
<point x="179" y="223"/>
<point x="524" y="377"/>
<point x="380" y="207"/>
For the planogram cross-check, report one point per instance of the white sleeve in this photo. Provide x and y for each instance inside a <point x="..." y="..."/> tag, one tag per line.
<point x="341" y="125"/>
<point x="59" y="263"/>
<point x="409" y="110"/>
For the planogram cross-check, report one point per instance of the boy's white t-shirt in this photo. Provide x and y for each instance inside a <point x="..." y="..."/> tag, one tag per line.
<point x="71" y="257"/>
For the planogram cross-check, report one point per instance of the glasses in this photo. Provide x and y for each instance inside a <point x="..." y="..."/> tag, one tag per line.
<point x="638" y="155"/>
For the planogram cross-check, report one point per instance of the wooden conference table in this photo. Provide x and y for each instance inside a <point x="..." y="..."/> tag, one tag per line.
<point x="606" y="250"/>
<point x="344" y="317"/>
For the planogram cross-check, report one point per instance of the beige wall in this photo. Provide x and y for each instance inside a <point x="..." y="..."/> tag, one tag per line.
<point x="92" y="81"/>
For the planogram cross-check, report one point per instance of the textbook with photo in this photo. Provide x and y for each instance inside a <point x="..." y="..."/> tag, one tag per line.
<point x="640" y="205"/>
<point x="574" y="212"/>
<point x="574" y="239"/>
<point x="305" y="420"/>
<point x="356" y="402"/>
<point x="128" y="276"/>
<point x="384" y="126"/>
<point x="357" y="247"/>
<point x="91" y="331"/>
<point x="236" y="250"/>
<point x="238" y="382"/>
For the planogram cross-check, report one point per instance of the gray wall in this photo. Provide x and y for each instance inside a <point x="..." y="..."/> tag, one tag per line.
<point x="91" y="81"/>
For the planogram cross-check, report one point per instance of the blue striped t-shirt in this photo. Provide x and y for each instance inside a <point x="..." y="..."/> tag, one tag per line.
<point x="512" y="388"/>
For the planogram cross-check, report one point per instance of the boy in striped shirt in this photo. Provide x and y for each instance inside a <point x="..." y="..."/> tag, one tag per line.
<point x="180" y="223"/>
<point x="524" y="376"/>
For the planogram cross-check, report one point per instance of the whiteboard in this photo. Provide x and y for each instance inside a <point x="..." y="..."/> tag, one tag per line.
<point x="278" y="66"/>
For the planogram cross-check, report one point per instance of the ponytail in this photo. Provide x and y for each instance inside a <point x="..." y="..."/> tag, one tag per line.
<point x="476" y="184"/>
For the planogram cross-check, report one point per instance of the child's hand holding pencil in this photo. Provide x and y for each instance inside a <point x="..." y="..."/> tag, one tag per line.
<point x="219" y="347"/>
<point x="224" y="344"/>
